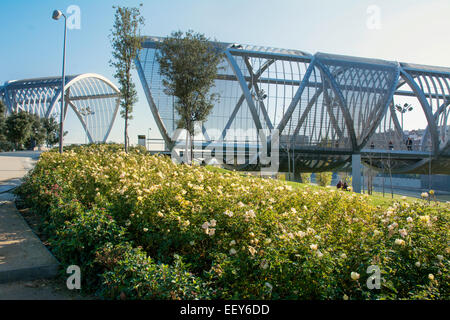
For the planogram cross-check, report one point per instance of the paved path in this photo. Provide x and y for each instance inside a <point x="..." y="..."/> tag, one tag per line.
<point x="22" y="255"/>
<point x="25" y="263"/>
<point x="39" y="290"/>
<point x="13" y="166"/>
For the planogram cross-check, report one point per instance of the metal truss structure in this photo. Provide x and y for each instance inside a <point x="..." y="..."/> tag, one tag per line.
<point x="327" y="108"/>
<point x="92" y="97"/>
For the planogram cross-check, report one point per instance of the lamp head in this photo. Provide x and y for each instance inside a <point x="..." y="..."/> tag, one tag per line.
<point x="56" y="14"/>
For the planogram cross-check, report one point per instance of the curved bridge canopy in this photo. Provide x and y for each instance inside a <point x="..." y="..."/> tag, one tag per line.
<point x="326" y="107"/>
<point x="92" y="97"/>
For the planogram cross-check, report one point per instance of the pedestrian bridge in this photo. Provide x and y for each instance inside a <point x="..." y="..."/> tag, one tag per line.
<point x="327" y="108"/>
<point x="92" y="97"/>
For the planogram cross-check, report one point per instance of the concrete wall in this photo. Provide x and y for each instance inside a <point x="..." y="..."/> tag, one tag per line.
<point x="438" y="182"/>
<point x="397" y="182"/>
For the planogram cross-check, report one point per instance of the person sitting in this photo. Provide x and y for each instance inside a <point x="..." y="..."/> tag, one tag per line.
<point x="372" y="145"/>
<point x="339" y="185"/>
<point x="345" y="186"/>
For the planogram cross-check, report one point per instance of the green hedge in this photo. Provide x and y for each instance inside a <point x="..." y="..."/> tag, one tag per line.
<point x="142" y="227"/>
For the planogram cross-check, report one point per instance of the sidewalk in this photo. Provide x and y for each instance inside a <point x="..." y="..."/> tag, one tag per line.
<point x="23" y="257"/>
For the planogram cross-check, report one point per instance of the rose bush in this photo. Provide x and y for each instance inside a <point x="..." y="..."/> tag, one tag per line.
<point x="191" y="232"/>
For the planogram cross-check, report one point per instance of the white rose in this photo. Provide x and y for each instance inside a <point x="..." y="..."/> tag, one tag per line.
<point x="264" y="265"/>
<point x="205" y="225"/>
<point x="354" y="275"/>
<point x="403" y="232"/>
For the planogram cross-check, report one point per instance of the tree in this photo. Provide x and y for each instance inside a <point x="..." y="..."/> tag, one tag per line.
<point x="305" y="177"/>
<point x="38" y="132"/>
<point x="51" y="127"/>
<point x="323" y="178"/>
<point x="2" y="121"/>
<point x="126" y="42"/>
<point x="5" y="145"/>
<point x="18" y="128"/>
<point x="188" y="65"/>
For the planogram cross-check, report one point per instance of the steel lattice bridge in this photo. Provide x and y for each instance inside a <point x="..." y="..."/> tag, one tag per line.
<point x="92" y="97"/>
<point x="328" y="109"/>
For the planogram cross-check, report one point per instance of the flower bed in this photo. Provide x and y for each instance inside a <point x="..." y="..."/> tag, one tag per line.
<point x="142" y="227"/>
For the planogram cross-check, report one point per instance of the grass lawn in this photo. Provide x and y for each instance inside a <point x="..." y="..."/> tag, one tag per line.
<point x="376" y="198"/>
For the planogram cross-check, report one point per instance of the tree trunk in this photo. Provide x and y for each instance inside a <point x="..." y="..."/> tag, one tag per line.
<point x="126" y="131"/>
<point x="186" y="151"/>
<point x="192" y="148"/>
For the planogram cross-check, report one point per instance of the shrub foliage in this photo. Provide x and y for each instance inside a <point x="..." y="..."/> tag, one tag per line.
<point x="143" y="227"/>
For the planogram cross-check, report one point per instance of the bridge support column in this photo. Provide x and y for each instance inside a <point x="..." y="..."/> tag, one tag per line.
<point x="356" y="173"/>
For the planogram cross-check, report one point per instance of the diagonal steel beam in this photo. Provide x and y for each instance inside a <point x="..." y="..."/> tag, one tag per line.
<point x="162" y="129"/>
<point x="332" y="117"/>
<point x="306" y="111"/>
<point x="311" y="103"/>
<point x="237" y="71"/>
<point x="255" y="85"/>
<point x="385" y="106"/>
<point x="426" y="109"/>
<point x="436" y="117"/>
<point x="112" y="119"/>
<point x="242" y="98"/>
<point x="75" y="109"/>
<point x="343" y="104"/>
<point x="296" y="97"/>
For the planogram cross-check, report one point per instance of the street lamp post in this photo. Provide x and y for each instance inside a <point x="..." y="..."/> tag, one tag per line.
<point x="403" y="109"/>
<point x="56" y="15"/>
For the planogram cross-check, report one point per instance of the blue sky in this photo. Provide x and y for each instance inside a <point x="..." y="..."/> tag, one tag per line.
<point x="410" y="31"/>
